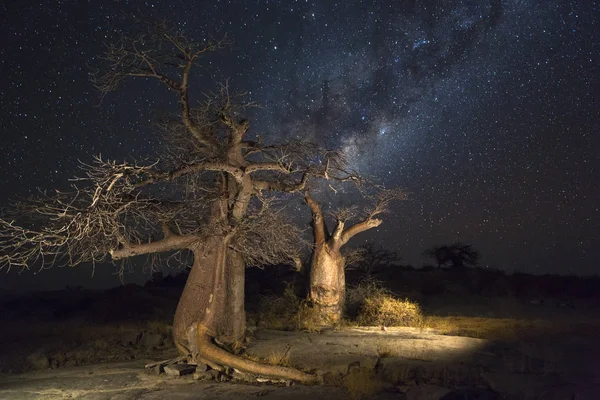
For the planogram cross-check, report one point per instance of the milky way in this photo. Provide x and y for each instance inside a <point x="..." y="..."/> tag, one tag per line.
<point x="487" y="112"/>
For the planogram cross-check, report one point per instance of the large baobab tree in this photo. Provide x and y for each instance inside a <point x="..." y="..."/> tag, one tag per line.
<point x="327" y="277"/>
<point x="208" y="195"/>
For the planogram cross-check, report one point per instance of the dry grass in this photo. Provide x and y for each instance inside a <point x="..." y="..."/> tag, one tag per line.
<point x="510" y="329"/>
<point x="386" y="310"/>
<point x="280" y="358"/>
<point x="308" y="318"/>
<point x="362" y="383"/>
<point x="384" y="350"/>
<point x="356" y="295"/>
<point x="290" y="312"/>
<point x="276" y="312"/>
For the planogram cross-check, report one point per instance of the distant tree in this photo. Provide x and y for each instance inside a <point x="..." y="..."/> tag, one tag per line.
<point x="370" y="259"/>
<point x="327" y="277"/>
<point x="207" y="195"/>
<point x="456" y="256"/>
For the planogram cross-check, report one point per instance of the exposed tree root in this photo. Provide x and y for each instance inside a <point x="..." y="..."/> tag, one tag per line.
<point x="161" y="364"/>
<point x="213" y="353"/>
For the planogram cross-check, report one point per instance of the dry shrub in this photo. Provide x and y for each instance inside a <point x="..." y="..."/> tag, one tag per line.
<point x="280" y="358"/>
<point x="356" y="295"/>
<point x="308" y="317"/>
<point x="275" y="312"/>
<point x="362" y="383"/>
<point x="386" y="310"/>
<point x="289" y="312"/>
<point x="369" y="304"/>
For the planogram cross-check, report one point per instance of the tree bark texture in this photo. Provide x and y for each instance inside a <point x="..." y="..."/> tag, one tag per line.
<point x="213" y="295"/>
<point x="328" y="283"/>
<point x="211" y="307"/>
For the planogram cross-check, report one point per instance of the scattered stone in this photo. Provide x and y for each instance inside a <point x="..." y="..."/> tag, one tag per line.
<point x="179" y="369"/>
<point x="157" y="369"/>
<point x="223" y="378"/>
<point x="159" y="365"/>
<point x="201" y="367"/>
<point x="427" y="392"/>
<point x="38" y="360"/>
<point x="243" y="376"/>
<point x="202" y="376"/>
<point x="214" y="374"/>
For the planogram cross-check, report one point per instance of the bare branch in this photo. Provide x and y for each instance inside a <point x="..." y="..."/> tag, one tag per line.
<point x="103" y="211"/>
<point x="265" y="236"/>
<point x="153" y="55"/>
<point x="358" y="228"/>
<point x="319" y="228"/>
<point x="169" y="243"/>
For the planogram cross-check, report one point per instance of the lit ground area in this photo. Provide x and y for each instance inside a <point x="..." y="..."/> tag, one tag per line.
<point x="367" y="363"/>
<point x="475" y="335"/>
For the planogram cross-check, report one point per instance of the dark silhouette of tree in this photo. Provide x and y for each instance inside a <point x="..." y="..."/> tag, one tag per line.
<point x="207" y="195"/>
<point x="370" y="259"/>
<point x="456" y="256"/>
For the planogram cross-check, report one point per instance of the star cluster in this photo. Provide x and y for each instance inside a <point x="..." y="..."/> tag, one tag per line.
<point x="487" y="112"/>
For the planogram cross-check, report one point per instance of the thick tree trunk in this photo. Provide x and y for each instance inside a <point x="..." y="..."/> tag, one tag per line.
<point x="213" y="295"/>
<point x="328" y="283"/>
<point x="327" y="277"/>
<point x="211" y="309"/>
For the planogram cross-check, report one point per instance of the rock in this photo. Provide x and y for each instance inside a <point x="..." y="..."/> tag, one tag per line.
<point x="157" y="369"/>
<point x="214" y="374"/>
<point x="334" y="351"/>
<point x="38" y="360"/>
<point x="201" y="367"/>
<point x="202" y="376"/>
<point x="426" y="392"/>
<point x="243" y="376"/>
<point x="223" y="378"/>
<point x="179" y="369"/>
<point x="152" y="340"/>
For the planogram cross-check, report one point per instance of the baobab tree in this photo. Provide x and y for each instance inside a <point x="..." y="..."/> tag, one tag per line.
<point x="327" y="277"/>
<point x="456" y="256"/>
<point x="208" y="195"/>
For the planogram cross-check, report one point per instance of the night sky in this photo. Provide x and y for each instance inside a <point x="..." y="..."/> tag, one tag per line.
<point x="487" y="112"/>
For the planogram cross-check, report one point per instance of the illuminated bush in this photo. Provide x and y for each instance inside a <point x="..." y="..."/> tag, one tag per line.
<point x="387" y="310"/>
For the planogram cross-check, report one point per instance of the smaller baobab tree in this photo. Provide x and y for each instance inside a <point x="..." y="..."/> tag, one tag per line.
<point x="327" y="278"/>
<point x="455" y="256"/>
